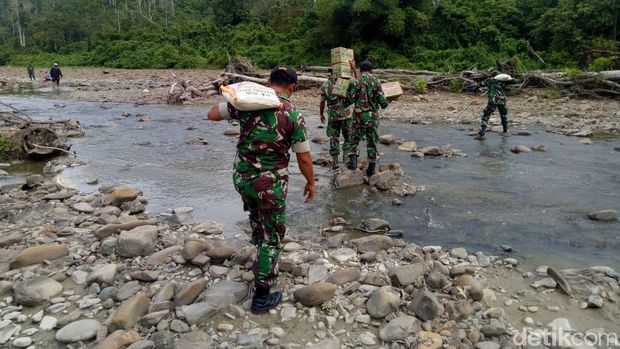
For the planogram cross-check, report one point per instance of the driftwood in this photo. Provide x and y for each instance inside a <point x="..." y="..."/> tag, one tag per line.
<point x="323" y="69"/>
<point x="36" y="138"/>
<point x="182" y="90"/>
<point x="593" y="84"/>
<point x="606" y="83"/>
<point x="305" y="81"/>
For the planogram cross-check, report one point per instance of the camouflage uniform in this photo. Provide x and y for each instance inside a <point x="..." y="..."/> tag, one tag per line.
<point x="367" y="96"/>
<point x="338" y="118"/>
<point x="261" y="176"/>
<point x="497" y="100"/>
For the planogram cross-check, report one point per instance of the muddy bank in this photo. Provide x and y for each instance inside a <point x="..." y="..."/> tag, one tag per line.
<point x="96" y="270"/>
<point x="546" y="108"/>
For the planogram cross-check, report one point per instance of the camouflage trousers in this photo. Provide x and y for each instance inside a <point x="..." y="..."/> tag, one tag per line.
<point x="334" y="129"/>
<point x="264" y="196"/>
<point x="490" y="109"/>
<point x="365" y="126"/>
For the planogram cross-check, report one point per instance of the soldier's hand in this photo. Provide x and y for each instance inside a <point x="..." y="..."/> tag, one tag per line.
<point x="309" y="192"/>
<point x="322" y="119"/>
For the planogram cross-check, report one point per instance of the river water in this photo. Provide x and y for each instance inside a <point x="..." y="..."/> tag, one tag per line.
<point x="537" y="202"/>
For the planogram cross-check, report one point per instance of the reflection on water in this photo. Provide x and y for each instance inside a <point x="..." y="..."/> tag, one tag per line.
<point x="536" y="202"/>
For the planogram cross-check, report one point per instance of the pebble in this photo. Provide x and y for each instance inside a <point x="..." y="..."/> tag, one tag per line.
<point x="224" y="327"/>
<point x="48" y="323"/>
<point x="22" y="342"/>
<point x="595" y="301"/>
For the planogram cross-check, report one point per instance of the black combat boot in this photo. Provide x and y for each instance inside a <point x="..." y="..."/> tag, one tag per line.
<point x="352" y="165"/>
<point x="505" y="127"/>
<point x="482" y="132"/>
<point x="372" y="168"/>
<point x="263" y="301"/>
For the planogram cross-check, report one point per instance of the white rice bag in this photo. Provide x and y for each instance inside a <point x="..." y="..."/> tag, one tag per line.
<point x="250" y="96"/>
<point x="502" y="77"/>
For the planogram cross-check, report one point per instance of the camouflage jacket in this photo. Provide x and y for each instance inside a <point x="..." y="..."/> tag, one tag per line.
<point x="267" y="136"/>
<point x="367" y="95"/>
<point x="337" y="108"/>
<point x="495" y="90"/>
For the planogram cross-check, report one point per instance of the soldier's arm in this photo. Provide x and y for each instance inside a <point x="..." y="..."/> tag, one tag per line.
<point x="304" y="161"/>
<point x="222" y="111"/>
<point x="383" y="102"/>
<point x="356" y="73"/>
<point x="301" y="147"/>
<point x="323" y="101"/>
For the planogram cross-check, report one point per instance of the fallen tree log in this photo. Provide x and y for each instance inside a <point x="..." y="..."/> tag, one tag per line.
<point x="592" y="84"/>
<point x="304" y="81"/>
<point x="323" y="69"/>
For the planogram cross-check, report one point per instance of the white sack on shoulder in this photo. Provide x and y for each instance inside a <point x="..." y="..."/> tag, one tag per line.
<point x="250" y="96"/>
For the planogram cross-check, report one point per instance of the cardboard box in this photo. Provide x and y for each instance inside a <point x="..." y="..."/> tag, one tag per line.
<point x="341" y="87"/>
<point x="342" y="70"/>
<point x="342" y="55"/>
<point x="392" y="90"/>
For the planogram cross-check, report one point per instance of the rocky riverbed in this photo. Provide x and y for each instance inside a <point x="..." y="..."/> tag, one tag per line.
<point x="98" y="270"/>
<point x="540" y="107"/>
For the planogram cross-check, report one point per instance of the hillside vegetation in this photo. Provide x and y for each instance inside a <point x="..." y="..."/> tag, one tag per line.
<point x="442" y="35"/>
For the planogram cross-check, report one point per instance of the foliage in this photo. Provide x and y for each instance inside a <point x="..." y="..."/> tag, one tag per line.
<point x="5" y="144"/>
<point x="456" y="85"/>
<point x="604" y="63"/>
<point x="572" y="72"/>
<point x="446" y="35"/>
<point x="421" y="86"/>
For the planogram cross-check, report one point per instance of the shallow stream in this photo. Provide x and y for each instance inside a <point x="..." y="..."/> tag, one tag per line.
<point x="536" y="202"/>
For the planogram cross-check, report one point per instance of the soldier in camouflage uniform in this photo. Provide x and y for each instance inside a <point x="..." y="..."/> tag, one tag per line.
<point x="339" y="118"/>
<point x="261" y="176"/>
<point x="497" y="100"/>
<point x="367" y="96"/>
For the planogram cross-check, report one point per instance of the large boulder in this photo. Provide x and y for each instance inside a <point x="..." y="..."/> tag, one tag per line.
<point x="349" y="178"/>
<point x="11" y="239"/>
<point x="198" y="312"/>
<point x="387" y="139"/>
<point x="195" y="340"/>
<point x="383" y="180"/>
<point x="129" y="312"/>
<point x="408" y="146"/>
<point x="604" y="215"/>
<point x="383" y="301"/>
<point x="400" y="328"/>
<point x="374" y="243"/>
<point x="104" y="274"/>
<point x="78" y="331"/>
<point x="315" y="294"/>
<point x="221" y="251"/>
<point x="119" y="339"/>
<point x="189" y="292"/>
<point x="344" y="276"/>
<point x="139" y="241"/>
<point x="38" y="254"/>
<point x="225" y="293"/>
<point x="405" y="275"/>
<point x="120" y="195"/>
<point x="36" y="290"/>
<point x="192" y="248"/>
<point x="426" y="306"/>
<point x="111" y="229"/>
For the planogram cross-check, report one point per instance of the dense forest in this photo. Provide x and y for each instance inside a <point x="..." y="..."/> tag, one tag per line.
<point x="443" y="35"/>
